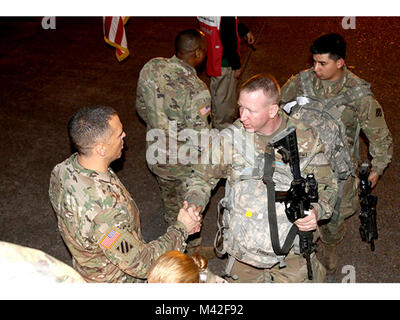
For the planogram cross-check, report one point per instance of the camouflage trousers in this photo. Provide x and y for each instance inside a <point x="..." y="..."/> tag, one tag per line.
<point x="294" y="272"/>
<point x="172" y="193"/>
<point x="172" y="196"/>
<point x="223" y="95"/>
<point x="333" y="230"/>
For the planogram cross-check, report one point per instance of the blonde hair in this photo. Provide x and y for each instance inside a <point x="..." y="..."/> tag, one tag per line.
<point x="177" y="267"/>
<point x="265" y="82"/>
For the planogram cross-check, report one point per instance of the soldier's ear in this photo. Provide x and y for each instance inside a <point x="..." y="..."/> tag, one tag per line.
<point x="273" y="110"/>
<point x="100" y="149"/>
<point x="340" y="63"/>
<point x="198" y="53"/>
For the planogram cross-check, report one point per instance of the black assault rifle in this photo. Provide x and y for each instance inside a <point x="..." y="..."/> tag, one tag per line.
<point x="301" y="193"/>
<point x="368" y="227"/>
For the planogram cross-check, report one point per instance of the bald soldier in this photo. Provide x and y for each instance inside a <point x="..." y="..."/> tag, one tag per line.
<point x="171" y="98"/>
<point x="97" y="217"/>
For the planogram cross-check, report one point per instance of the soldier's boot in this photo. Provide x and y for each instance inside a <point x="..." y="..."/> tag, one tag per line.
<point x="206" y="252"/>
<point x="329" y="258"/>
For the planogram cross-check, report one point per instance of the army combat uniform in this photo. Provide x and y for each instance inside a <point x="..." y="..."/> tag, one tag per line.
<point x="363" y="113"/>
<point x="99" y="222"/>
<point x="32" y="266"/>
<point x="206" y="176"/>
<point x="170" y="97"/>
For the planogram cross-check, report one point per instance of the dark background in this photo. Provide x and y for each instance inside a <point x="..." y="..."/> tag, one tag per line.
<point x="46" y="75"/>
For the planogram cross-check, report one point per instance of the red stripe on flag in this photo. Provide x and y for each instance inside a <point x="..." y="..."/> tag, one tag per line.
<point x="107" y="23"/>
<point x="120" y="31"/>
<point x="114" y="34"/>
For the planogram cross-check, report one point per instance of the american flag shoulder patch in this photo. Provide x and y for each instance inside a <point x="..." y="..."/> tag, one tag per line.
<point x="205" y="110"/>
<point x="110" y="238"/>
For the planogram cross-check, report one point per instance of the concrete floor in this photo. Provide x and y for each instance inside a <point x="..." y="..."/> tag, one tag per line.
<point x="46" y="75"/>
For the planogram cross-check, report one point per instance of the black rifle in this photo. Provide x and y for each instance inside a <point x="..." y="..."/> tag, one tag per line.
<point x="368" y="227"/>
<point x="301" y="192"/>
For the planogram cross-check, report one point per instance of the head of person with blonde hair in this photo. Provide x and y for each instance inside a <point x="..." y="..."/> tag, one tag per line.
<point x="176" y="267"/>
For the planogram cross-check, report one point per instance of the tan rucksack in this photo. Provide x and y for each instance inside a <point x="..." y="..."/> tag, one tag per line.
<point x="325" y="116"/>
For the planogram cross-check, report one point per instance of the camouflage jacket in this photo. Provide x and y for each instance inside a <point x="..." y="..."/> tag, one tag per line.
<point x="171" y="97"/>
<point x="32" y="266"/>
<point x="205" y="176"/>
<point x="99" y="222"/>
<point x="365" y="113"/>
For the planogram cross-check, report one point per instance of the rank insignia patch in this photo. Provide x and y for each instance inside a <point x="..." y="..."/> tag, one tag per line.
<point x="110" y="238"/>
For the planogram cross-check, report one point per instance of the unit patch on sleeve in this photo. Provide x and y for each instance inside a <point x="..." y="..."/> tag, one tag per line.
<point x="110" y="238"/>
<point x="124" y="247"/>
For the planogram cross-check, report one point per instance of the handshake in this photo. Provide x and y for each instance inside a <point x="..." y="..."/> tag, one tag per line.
<point x="190" y="216"/>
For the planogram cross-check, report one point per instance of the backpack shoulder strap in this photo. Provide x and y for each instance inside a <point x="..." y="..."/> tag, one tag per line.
<point x="359" y="91"/>
<point x="272" y="219"/>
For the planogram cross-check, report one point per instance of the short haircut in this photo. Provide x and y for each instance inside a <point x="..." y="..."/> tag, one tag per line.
<point x="88" y="125"/>
<point x="331" y="43"/>
<point x="188" y="41"/>
<point x="176" y="267"/>
<point x="267" y="83"/>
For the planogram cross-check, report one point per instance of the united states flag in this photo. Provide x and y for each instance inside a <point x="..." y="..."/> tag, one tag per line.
<point x="110" y="238"/>
<point x="114" y="35"/>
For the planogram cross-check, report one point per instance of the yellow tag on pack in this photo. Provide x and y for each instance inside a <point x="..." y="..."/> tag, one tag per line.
<point x="249" y="214"/>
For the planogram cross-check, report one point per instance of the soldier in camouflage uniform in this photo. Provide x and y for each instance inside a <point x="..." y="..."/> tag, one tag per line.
<point x="171" y="97"/>
<point x="31" y="266"/>
<point x="330" y="79"/>
<point x="97" y="218"/>
<point x="260" y="114"/>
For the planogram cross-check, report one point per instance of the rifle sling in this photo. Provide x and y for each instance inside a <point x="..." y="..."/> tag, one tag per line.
<point x="273" y="223"/>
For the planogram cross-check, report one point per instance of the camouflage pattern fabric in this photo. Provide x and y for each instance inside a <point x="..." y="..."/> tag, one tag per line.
<point x="99" y="222"/>
<point x="325" y="116"/>
<point x="31" y="266"/>
<point x="294" y="272"/>
<point x="206" y="176"/>
<point x="332" y="231"/>
<point x="245" y="222"/>
<point x="170" y="97"/>
<point x="364" y="113"/>
<point x="172" y="193"/>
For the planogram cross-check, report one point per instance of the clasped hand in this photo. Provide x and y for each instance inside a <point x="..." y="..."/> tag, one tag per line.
<point x="190" y="216"/>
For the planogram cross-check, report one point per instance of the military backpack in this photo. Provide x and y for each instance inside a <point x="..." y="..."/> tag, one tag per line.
<point x="325" y="116"/>
<point x="250" y="221"/>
